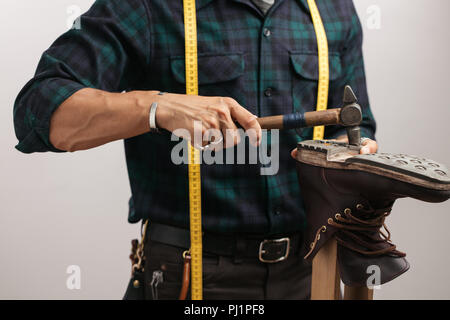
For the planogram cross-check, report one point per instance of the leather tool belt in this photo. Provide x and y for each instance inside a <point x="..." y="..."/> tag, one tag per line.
<point x="266" y="250"/>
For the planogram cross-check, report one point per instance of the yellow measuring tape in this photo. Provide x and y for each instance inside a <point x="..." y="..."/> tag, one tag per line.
<point x="195" y="199"/>
<point x="324" y="68"/>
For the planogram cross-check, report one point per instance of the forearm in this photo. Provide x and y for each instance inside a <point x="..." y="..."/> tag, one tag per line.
<point x="91" y="117"/>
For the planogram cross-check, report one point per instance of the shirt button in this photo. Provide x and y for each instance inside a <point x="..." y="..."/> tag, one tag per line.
<point x="268" y="92"/>
<point x="277" y="211"/>
<point x="267" y="32"/>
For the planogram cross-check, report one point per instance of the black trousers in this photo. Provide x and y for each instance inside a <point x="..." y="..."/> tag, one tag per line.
<point x="224" y="278"/>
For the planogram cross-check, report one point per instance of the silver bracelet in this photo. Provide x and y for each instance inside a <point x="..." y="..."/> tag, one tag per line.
<point x="152" y="116"/>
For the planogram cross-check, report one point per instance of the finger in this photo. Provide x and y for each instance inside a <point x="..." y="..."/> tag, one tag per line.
<point x="248" y="121"/>
<point x="230" y="133"/>
<point x="210" y="126"/>
<point x="369" y="146"/>
<point x="229" y="129"/>
<point x="199" y="134"/>
<point x="215" y="139"/>
<point x="294" y="153"/>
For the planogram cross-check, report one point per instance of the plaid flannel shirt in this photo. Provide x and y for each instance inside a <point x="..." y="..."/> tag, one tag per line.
<point x="268" y="63"/>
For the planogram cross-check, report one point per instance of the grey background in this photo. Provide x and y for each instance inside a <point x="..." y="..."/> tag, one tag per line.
<point x="58" y="210"/>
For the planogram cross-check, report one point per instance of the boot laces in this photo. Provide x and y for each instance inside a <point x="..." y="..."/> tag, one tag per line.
<point x="368" y="230"/>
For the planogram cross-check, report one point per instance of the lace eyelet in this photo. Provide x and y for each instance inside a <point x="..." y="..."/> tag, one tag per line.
<point x="359" y="206"/>
<point x="347" y="211"/>
<point x="337" y="216"/>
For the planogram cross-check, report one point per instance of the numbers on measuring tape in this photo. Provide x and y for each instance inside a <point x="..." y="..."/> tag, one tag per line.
<point x="195" y="199"/>
<point x="324" y="68"/>
<point x="195" y="203"/>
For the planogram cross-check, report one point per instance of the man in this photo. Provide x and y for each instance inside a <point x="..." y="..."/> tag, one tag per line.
<point x="256" y="58"/>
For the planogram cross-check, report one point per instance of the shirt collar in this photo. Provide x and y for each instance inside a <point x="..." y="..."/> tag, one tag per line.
<point x="202" y="3"/>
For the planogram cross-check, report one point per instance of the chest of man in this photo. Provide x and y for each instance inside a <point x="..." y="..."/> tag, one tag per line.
<point x="268" y="63"/>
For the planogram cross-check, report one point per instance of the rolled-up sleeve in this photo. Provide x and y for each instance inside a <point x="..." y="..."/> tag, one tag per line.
<point x="354" y="75"/>
<point x="109" y="51"/>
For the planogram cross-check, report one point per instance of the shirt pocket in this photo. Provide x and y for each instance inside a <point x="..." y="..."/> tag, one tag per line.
<point x="219" y="74"/>
<point x="305" y="66"/>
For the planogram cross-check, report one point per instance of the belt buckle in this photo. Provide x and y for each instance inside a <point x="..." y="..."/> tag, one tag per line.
<point x="277" y="242"/>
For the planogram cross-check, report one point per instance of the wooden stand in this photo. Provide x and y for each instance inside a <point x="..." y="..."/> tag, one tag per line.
<point x="358" y="293"/>
<point x="326" y="282"/>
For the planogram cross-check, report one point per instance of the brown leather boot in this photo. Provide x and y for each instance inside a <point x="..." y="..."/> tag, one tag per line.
<point x="348" y="196"/>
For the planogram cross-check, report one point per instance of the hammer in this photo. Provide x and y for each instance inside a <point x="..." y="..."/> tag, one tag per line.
<point x="349" y="116"/>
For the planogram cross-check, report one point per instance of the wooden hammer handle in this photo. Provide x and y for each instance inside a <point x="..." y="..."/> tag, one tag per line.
<point x="311" y="119"/>
<point x="273" y="122"/>
<point x="322" y="118"/>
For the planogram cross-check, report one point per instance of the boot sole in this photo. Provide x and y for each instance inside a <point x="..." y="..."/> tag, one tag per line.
<point x="407" y="168"/>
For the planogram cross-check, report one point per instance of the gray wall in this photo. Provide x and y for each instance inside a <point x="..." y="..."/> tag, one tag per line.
<point x="58" y="210"/>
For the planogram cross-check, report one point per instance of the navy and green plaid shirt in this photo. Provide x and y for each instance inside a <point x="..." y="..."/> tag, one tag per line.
<point x="267" y="63"/>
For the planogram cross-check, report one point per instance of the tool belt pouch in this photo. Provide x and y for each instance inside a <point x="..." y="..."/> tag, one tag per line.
<point x="135" y="289"/>
<point x="136" y="286"/>
<point x="348" y="196"/>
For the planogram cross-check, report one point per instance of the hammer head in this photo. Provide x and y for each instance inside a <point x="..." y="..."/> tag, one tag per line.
<point x="351" y="116"/>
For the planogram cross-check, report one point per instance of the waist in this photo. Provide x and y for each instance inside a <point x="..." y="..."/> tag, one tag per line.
<point x="268" y="249"/>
